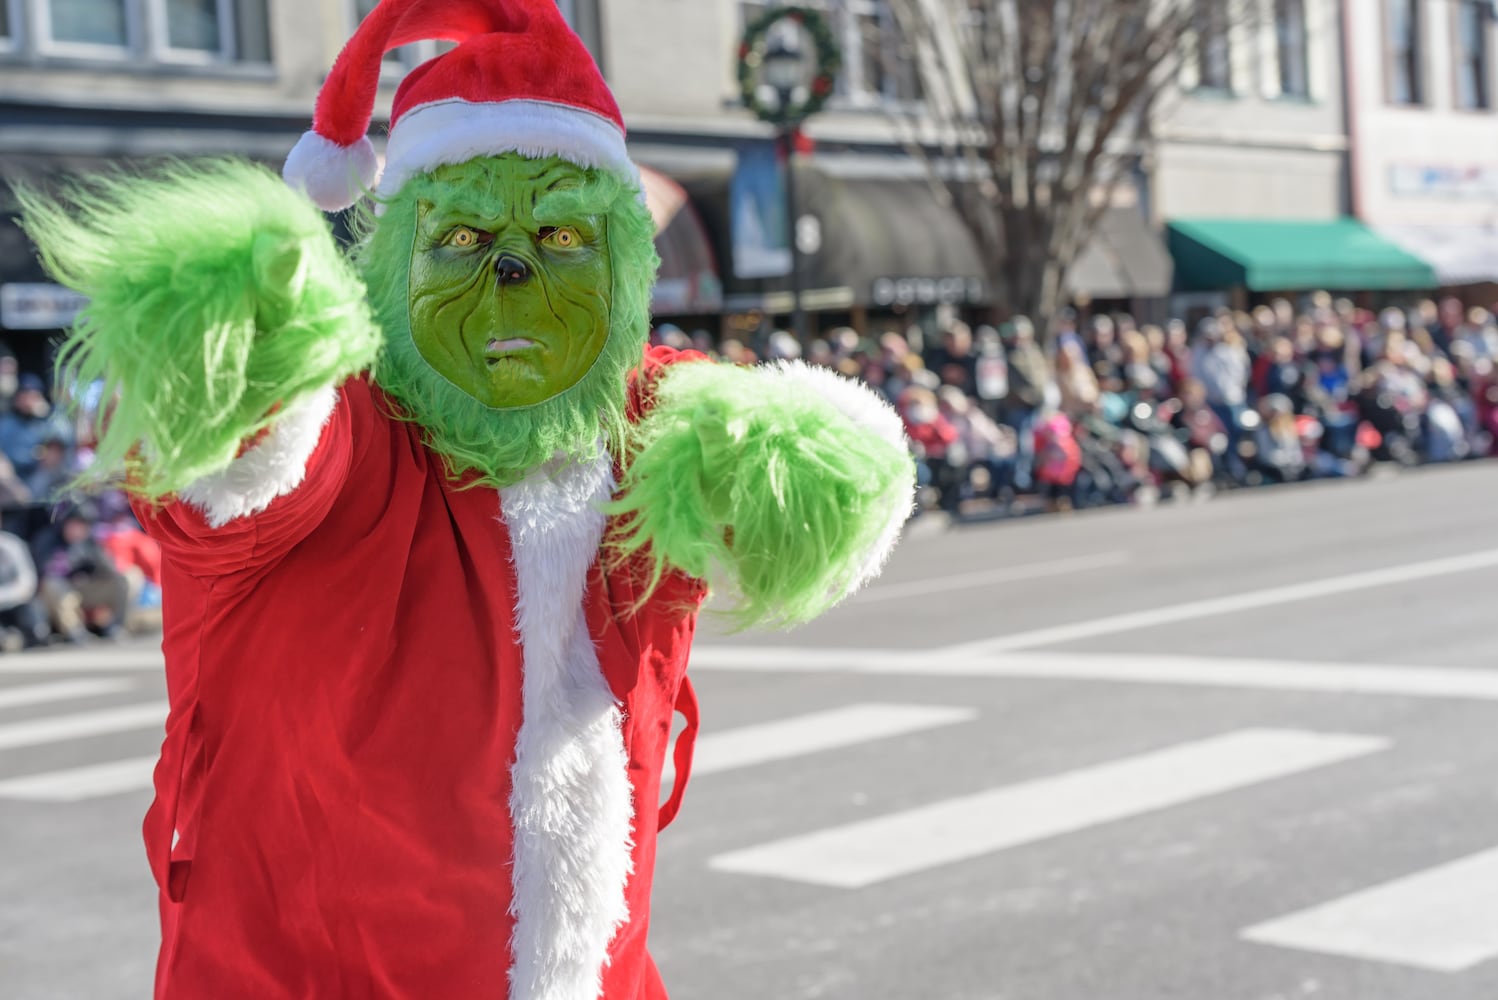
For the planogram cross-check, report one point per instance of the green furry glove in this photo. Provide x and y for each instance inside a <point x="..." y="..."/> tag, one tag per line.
<point x="791" y="479"/>
<point x="217" y="296"/>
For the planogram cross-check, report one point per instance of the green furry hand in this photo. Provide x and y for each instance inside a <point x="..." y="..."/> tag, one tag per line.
<point x="216" y="296"/>
<point x="792" y="480"/>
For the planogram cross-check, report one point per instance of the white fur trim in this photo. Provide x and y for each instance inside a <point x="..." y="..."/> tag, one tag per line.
<point x="874" y="416"/>
<point x="275" y="466"/>
<point x="455" y="131"/>
<point x="570" y="800"/>
<point x="333" y="176"/>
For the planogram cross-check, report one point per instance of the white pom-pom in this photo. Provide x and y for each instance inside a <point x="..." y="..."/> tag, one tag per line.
<point x="333" y="176"/>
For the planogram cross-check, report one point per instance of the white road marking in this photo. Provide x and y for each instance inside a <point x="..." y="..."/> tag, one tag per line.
<point x="79" y="783"/>
<point x="56" y="728"/>
<point x="805" y="734"/>
<point x="871" y="851"/>
<point x="1008" y="574"/>
<point x="1196" y="671"/>
<point x="1441" y="919"/>
<point x="36" y="694"/>
<point x="93" y="660"/>
<point x="1233" y="603"/>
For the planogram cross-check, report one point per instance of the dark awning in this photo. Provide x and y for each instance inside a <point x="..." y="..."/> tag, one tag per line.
<point x="884" y="241"/>
<point x="688" y="281"/>
<point x="1340" y="255"/>
<point x="1125" y="259"/>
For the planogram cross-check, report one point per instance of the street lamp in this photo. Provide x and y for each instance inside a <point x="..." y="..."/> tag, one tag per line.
<point x="774" y="58"/>
<point x="786" y="70"/>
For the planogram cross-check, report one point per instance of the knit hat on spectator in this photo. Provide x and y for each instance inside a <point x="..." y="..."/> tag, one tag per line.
<point x="519" y="80"/>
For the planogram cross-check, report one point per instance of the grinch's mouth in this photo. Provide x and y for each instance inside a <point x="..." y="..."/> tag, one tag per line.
<point x="497" y="349"/>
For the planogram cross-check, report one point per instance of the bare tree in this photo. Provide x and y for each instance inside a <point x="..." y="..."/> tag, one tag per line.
<point x="1033" y="112"/>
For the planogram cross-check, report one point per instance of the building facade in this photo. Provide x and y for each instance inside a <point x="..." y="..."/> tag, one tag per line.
<point x="1253" y="161"/>
<point x="1424" y="124"/>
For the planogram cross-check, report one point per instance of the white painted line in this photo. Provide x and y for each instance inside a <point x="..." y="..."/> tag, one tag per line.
<point x="79" y="783"/>
<point x="56" y="728"/>
<point x="1233" y="603"/>
<point x="1008" y="574"/>
<point x="863" y="853"/>
<point x="1443" y="919"/>
<point x="1474" y="684"/>
<point x="94" y="660"/>
<point x="805" y="734"/>
<point x="36" y="694"/>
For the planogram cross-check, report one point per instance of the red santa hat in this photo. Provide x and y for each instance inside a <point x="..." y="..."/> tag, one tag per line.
<point x="519" y="81"/>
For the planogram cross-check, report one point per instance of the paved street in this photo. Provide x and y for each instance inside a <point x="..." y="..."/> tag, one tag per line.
<point x="1243" y="750"/>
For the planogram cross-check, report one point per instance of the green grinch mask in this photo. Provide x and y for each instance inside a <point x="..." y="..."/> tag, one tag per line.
<point x="467" y="261"/>
<point x="511" y="284"/>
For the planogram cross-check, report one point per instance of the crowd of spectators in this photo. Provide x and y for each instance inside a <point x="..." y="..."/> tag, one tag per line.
<point x="72" y="568"/>
<point x="1112" y="411"/>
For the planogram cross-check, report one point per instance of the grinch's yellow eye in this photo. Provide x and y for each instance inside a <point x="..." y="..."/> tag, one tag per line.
<point x="563" y="237"/>
<point x="463" y="237"/>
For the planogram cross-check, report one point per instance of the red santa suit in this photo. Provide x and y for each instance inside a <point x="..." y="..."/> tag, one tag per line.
<point x="416" y="737"/>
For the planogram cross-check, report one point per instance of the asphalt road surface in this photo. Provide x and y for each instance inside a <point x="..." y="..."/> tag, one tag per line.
<point x="1245" y="750"/>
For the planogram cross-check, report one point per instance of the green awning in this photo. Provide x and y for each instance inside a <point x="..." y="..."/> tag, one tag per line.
<point x="1341" y="255"/>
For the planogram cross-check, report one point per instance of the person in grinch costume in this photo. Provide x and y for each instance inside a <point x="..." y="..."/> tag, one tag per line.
<point x="437" y="526"/>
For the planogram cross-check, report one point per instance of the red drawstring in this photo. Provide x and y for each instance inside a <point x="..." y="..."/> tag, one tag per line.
<point x="686" y="704"/>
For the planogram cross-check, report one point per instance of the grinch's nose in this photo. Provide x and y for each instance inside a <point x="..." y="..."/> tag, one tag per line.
<point x="512" y="270"/>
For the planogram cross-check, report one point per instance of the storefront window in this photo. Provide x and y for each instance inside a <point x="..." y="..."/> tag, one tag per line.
<point x="1472" y="56"/>
<point x="94" y="23"/>
<point x="1214" y="54"/>
<point x="1290" y="35"/>
<point x="1404" y="67"/>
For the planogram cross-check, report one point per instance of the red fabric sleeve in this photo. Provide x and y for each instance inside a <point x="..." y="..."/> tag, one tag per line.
<point x="256" y="541"/>
<point x="645" y="379"/>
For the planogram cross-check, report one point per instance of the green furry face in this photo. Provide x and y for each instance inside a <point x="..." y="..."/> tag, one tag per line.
<point x="500" y="444"/>
<point x="510" y="285"/>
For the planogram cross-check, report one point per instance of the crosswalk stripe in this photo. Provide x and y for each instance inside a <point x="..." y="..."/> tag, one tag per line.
<point x="36" y="694"/>
<point x="1194" y="671"/>
<point x="56" y="728"/>
<point x="871" y="851"/>
<point x="1441" y="919"/>
<point x="93" y="660"/>
<point x="79" y="783"/>
<point x="804" y="734"/>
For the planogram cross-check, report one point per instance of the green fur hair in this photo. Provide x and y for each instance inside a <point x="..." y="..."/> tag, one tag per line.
<point x="502" y="445"/>
<point x="217" y="296"/>
<point x="738" y="469"/>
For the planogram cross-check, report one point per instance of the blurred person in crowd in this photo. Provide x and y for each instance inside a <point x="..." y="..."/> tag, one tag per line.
<point x="54" y="468"/>
<point x="783" y="346"/>
<point x="819" y="353"/>
<point x="1178" y="350"/>
<point x="953" y="359"/>
<point x="26" y="425"/>
<point x="1279" y="452"/>
<point x="938" y="449"/>
<point x="735" y="353"/>
<point x="1447" y="428"/>
<point x="135" y="554"/>
<point x="23" y="618"/>
<point x="10" y="378"/>
<point x="1104" y="352"/>
<point x="1029" y="384"/>
<point x="1222" y="366"/>
<point x="988" y="446"/>
<point x="1478" y="334"/>
<point x="990" y="371"/>
<point x="1058" y="459"/>
<point x="1139" y="371"/>
<point x="703" y="341"/>
<point x="80" y="586"/>
<point x="1075" y="380"/>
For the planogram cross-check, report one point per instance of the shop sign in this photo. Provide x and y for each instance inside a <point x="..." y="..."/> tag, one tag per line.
<point x="926" y="291"/>
<point x="38" y="306"/>
<point x="1436" y="181"/>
